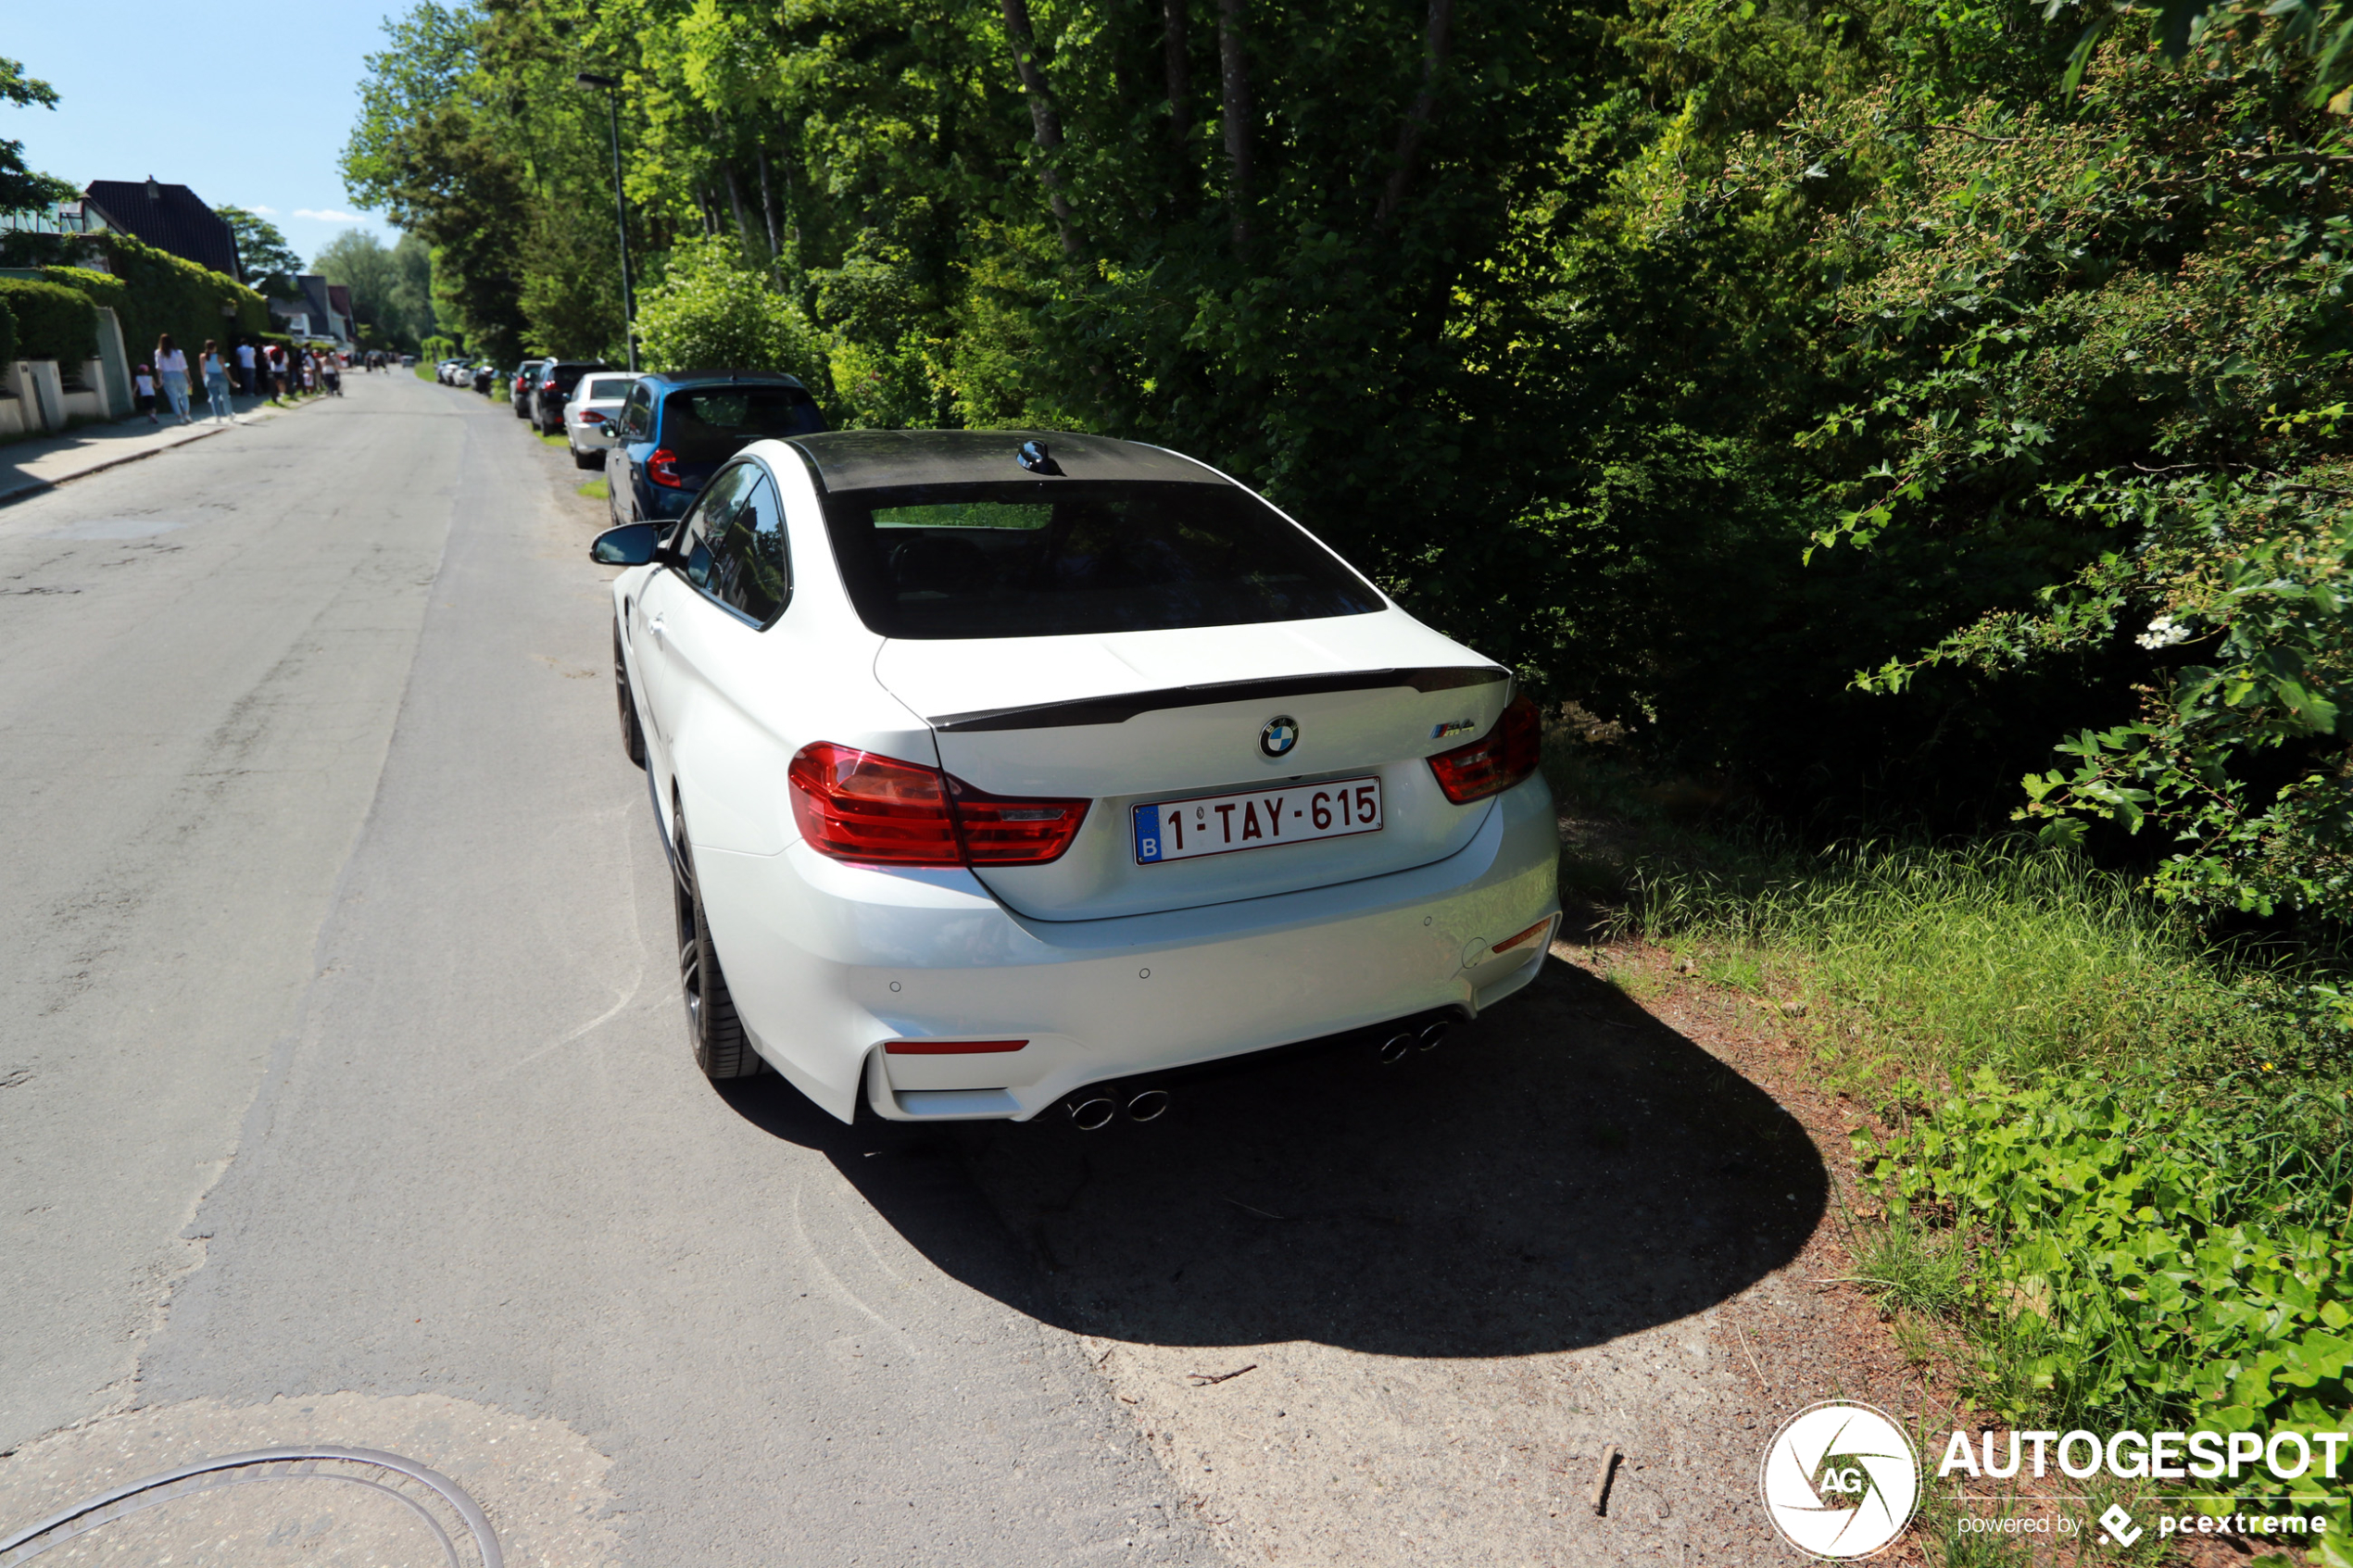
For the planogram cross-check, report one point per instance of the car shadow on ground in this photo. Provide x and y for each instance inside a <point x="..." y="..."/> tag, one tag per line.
<point x="1566" y="1171"/>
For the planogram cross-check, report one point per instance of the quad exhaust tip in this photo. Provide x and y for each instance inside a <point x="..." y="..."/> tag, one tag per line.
<point x="1091" y="1111"/>
<point x="1403" y="1043"/>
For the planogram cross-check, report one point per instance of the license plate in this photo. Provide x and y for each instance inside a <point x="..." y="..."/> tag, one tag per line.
<point x="1259" y="819"/>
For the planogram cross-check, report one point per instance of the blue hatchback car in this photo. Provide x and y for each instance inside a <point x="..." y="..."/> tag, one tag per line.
<point x="677" y="428"/>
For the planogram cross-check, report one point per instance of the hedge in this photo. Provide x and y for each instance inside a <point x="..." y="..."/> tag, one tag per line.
<point x="7" y="333"/>
<point x="53" y="322"/>
<point x="154" y="292"/>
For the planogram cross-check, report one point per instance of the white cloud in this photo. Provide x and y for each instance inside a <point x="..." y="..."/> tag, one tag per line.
<point x="327" y="215"/>
<point x="260" y="211"/>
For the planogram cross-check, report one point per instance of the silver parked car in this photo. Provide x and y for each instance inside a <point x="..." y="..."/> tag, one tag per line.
<point x="591" y="412"/>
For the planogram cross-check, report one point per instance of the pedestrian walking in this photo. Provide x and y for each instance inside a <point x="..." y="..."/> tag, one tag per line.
<point x="244" y="368"/>
<point x="143" y="392"/>
<point x="331" y="366"/>
<point x="216" y="382"/>
<point x="309" y="372"/>
<point x="278" y="370"/>
<point x="173" y="366"/>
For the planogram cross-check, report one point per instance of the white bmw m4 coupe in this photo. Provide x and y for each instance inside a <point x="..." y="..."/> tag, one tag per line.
<point x="1000" y="770"/>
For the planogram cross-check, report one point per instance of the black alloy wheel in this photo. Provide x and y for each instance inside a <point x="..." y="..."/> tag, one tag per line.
<point x="632" y="738"/>
<point x="712" y="1028"/>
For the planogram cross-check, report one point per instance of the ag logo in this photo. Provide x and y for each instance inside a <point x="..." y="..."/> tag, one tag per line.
<point x="1840" y="1479"/>
<point x="1279" y="735"/>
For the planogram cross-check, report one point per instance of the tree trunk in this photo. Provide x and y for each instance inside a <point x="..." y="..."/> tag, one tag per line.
<point x="1234" y="73"/>
<point x="767" y="200"/>
<point x="1180" y="76"/>
<point x="735" y="189"/>
<point x="1042" y="119"/>
<point x="1435" y="44"/>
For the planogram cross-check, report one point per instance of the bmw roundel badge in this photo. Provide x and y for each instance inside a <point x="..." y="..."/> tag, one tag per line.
<point x="1280" y="734"/>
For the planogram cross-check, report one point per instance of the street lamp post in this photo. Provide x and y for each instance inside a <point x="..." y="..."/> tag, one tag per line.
<point x="611" y="88"/>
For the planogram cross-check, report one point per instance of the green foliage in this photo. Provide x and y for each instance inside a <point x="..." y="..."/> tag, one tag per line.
<point x="269" y="261"/>
<point x="53" y="322"/>
<point x="153" y="292"/>
<point x="391" y="287"/>
<point x="8" y="332"/>
<point x="714" y="312"/>
<point x="2168" y="1255"/>
<point x="20" y="187"/>
<point x="1999" y="954"/>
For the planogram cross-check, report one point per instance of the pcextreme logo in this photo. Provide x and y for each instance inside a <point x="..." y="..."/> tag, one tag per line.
<point x="1840" y="1479"/>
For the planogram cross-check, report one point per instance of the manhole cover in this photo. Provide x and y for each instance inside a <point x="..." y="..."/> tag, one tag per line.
<point x="314" y="1505"/>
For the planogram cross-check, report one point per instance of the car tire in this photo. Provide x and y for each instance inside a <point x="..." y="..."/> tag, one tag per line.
<point x="632" y="735"/>
<point x="712" y="1028"/>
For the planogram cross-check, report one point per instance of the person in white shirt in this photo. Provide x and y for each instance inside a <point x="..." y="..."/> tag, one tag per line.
<point x="244" y="368"/>
<point x="142" y="387"/>
<point x="172" y="365"/>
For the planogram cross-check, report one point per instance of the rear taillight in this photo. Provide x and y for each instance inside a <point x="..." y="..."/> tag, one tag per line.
<point x="662" y="467"/>
<point x="1002" y="831"/>
<point x="588" y="416"/>
<point x="1495" y="761"/>
<point x="856" y="805"/>
<point x="949" y="1047"/>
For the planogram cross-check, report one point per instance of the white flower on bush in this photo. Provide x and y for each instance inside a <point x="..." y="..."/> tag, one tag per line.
<point x="2163" y="632"/>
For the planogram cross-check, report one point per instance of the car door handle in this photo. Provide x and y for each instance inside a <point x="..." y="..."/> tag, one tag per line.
<point x="659" y="628"/>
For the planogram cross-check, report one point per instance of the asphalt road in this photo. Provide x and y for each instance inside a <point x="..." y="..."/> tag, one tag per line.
<point x="345" y="1100"/>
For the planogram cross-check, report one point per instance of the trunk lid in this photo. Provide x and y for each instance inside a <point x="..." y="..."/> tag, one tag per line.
<point x="1142" y="718"/>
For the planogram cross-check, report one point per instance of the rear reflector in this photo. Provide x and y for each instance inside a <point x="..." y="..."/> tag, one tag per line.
<point x="1510" y="942"/>
<point x="951" y="1047"/>
<point x="1495" y="761"/>
<point x="857" y="806"/>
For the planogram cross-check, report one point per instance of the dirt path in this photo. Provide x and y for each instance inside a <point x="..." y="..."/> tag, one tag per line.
<point x="1459" y="1281"/>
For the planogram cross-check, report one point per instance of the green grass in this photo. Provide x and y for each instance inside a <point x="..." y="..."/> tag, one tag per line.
<point x="425" y="373"/>
<point x="595" y="490"/>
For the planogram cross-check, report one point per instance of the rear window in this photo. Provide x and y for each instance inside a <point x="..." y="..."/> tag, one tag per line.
<point x="604" y="389"/>
<point x="706" y="424"/>
<point x="1059" y="558"/>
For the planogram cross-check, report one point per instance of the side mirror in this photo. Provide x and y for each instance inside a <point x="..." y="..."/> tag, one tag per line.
<point x="632" y="544"/>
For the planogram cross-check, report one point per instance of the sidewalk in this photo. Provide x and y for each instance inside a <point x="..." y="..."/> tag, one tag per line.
<point x="30" y="467"/>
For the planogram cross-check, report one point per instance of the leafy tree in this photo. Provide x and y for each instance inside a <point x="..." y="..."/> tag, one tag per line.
<point x="21" y="188"/>
<point x="269" y="262"/>
<point x="391" y="287"/>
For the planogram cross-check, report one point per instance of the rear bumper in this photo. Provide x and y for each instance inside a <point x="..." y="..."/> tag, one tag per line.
<point x="829" y="962"/>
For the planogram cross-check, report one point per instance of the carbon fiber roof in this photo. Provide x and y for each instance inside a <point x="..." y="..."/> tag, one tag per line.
<point x="873" y="459"/>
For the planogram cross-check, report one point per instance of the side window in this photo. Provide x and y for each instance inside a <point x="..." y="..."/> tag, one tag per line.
<point x="704" y="528"/>
<point x="751" y="571"/>
<point x="637" y="417"/>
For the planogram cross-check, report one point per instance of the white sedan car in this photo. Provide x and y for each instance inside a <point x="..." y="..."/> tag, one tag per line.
<point x="1000" y="770"/>
<point x="590" y="413"/>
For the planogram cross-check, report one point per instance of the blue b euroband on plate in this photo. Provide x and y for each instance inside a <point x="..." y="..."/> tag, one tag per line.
<point x="1256" y="819"/>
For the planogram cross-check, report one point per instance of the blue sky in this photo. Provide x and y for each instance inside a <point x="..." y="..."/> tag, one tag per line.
<point x="247" y="102"/>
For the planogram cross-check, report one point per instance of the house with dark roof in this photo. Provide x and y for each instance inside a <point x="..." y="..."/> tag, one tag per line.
<point x="169" y="218"/>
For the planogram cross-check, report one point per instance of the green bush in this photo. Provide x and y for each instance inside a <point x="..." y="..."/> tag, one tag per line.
<point x="714" y="313"/>
<point x="2156" y="1252"/>
<point x="8" y="332"/>
<point x="53" y="322"/>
